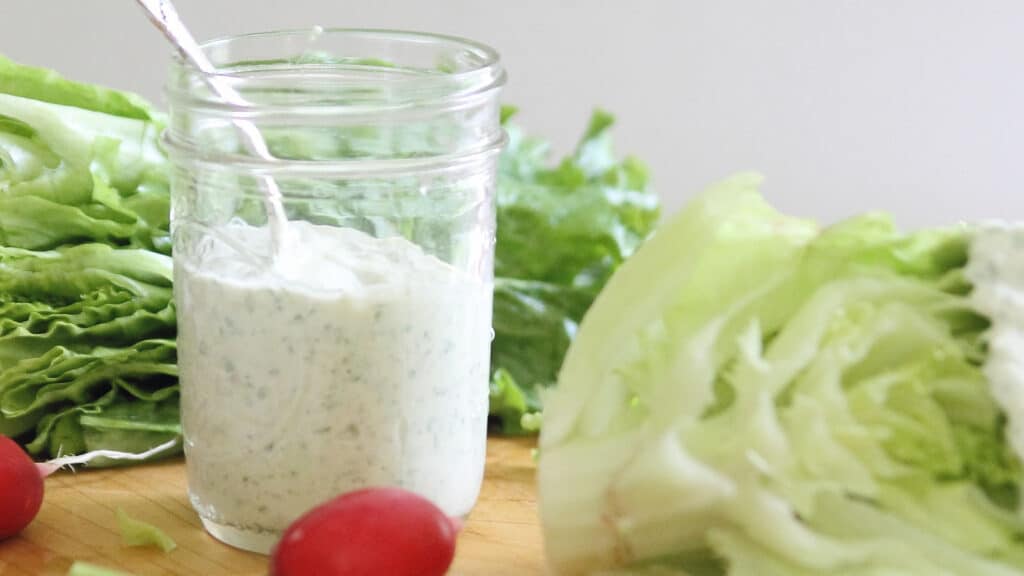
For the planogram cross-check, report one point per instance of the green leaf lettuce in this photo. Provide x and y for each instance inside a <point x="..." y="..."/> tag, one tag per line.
<point x="87" y="323"/>
<point x="562" y="232"/>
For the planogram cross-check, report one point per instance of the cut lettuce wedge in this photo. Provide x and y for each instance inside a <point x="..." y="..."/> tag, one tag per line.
<point x="752" y="395"/>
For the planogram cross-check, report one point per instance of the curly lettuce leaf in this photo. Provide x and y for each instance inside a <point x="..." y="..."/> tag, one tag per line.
<point x="562" y="231"/>
<point x="81" y="327"/>
<point x="87" y="321"/>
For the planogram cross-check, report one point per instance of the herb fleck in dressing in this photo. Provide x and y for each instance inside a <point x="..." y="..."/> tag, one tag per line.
<point x="356" y="362"/>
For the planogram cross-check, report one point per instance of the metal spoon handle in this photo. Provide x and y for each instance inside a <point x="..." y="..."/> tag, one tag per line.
<point x="163" y="14"/>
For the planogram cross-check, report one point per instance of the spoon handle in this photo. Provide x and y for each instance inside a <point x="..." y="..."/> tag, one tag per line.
<point x="163" y="14"/>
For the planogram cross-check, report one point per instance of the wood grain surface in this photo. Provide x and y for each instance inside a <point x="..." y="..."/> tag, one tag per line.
<point x="78" y="522"/>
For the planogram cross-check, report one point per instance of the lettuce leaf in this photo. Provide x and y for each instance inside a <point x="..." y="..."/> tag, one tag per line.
<point x="751" y="395"/>
<point x="135" y="533"/>
<point x="562" y="232"/>
<point x="87" y="322"/>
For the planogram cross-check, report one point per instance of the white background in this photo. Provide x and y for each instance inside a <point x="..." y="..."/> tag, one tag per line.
<point x="912" y="106"/>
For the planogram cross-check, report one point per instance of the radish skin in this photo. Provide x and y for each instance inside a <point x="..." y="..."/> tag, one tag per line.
<point x="21" y="488"/>
<point x="21" y="480"/>
<point x="371" y="532"/>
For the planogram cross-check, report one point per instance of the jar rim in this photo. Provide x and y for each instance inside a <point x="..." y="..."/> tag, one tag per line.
<point x="485" y="75"/>
<point x="186" y="153"/>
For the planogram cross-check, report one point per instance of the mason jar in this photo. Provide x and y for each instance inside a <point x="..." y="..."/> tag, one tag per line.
<point x="337" y="337"/>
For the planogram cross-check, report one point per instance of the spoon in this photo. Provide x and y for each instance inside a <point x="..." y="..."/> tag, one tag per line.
<point x="163" y="14"/>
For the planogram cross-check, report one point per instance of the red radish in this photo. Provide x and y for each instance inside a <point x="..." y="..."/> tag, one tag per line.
<point x="21" y="488"/>
<point x="21" y="480"/>
<point x="376" y="531"/>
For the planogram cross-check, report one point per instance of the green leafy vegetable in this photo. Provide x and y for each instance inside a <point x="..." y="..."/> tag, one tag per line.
<point x="87" y="323"/>
<point x="562" y="232"/>
<point x="138" y="533"/>
<point x="751" y="395"/>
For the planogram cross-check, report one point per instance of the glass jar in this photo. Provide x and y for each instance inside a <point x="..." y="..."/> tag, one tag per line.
<point x="353" y="349"/>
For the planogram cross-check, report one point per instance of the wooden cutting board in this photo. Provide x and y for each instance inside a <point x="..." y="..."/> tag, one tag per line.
<point x="77" y="522"/>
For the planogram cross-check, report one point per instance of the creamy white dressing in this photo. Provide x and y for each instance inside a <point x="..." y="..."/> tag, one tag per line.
<point x="995" y="268"/>
<point x="356" y="362"/>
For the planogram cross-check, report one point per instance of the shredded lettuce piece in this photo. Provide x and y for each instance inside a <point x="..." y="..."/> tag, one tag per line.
<point x="138" y="533"/>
